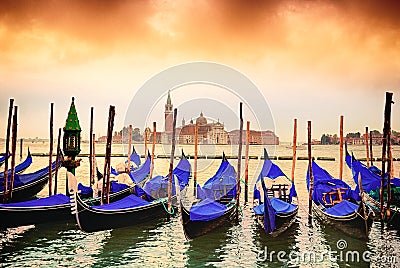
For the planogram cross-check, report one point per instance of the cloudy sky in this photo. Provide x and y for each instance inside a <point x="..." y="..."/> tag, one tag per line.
<point x="312" y="60"/>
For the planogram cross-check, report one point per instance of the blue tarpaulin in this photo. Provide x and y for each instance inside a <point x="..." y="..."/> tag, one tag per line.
<point x="207" y="210"/>
<point x="141" y="172"/>
<point x="371" y="181"/>
<point x="19" y="168"/>
<point x="280" y="207"/>
<point x="53" y="200"/>
<point x="159" y="184"/>
<point x="85" y="190"/>
<point x="256" y="194"/>
<point x="23" y="179"/>
<point x="130" y="201"/>
<point x="223" y="183"/>
<point x="342" y="209"/>
<point x="135" y="158"/>
<point x="325" y="183"/>
<point x="269" y="169"/>
<point x="269" y="212"/>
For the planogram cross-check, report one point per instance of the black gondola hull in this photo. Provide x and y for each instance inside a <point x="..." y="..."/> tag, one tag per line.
<point x="282" y="222"/>
<point x="195" y="229"/>
<point x="352" y="225"/>
<point x="14" y="217"/>
<point x="91" y="220"/>
<point x="28" y="191"/>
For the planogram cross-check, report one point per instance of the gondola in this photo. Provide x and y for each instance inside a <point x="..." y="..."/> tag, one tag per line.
<point x="27" y="186"/>
<point x="337" y="205"/>
<point x="20" y="167"/>
<point x="144" y="204"/>
<point x="215" y="203"/>
<point x="128" y="211"/>
<point x="278" y="211"/>
<point x="157" y="187"/>
<point x="119" y="190"/>
<point x="134" y="158"/>
<point x="371" y="183"/>
<point x="42" y="210"/>
<point x="3" y="159"/>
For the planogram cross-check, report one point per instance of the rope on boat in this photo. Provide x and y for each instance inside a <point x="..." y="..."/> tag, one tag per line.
<point x="239" y="208"/>
<point x="172" y="212"/>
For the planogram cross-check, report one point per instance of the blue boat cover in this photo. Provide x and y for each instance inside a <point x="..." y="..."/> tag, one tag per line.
<point x="159" y="183"/>
<point x="114" y="172"/>
<point x="324" y="183"/>
<point x="371" y="181"/>
<point x="23" y="179"/>
<point x="20" y="167"/>
<point x="141" y="193"/>
<point x="131" y="201"/>
<point x="135" y="158"/>
<point x="84" y="190"/>
<point x="58" y="199"/>
<point x="115" y="187"/>
<point x="3" y="158"/>
<point x="199" y="192"/>
<point x="269" y="212"/>
<point x="269" y="169"/>
<point x="272" y="171"/>
<point x="141" y="172"/>
<point x="256" y="194"/>
<point x="259" y="210"/>
<point x="342" y="209"/>
<point x="181" y="171"/>
<point x="280" y="207"/>
<point x="224" y="181"/>
<point x="207" y="210"/>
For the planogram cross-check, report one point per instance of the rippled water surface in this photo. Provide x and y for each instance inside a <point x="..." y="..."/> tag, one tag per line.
<point x="161" y="243"/>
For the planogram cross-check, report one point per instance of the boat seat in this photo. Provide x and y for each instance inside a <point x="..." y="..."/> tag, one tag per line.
<point x="279" y="191"/>
<point x="160" y="193"/>
<point x="335" y="196"/>
<point x="222" y="192"/>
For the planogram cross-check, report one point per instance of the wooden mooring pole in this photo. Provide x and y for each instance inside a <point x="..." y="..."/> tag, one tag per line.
<point x="386" y="136"/>
<point x="91" y="142"/>
<point x="51" y="150"/>
<point x="57" y="161"/>
<point x="310" y="190"/>
<point x="246" y="165"/>
<point x="196" y="141"/>
<point x="13" y="148"/>
<point x="10" y="111"/>
<point x="367" y="145"/>
<point x="294" y="148"/>
<point x="107" y="161"/>
<point x="370" y="148"/>
<point x="341" y="149"/>
<point x="239" y="160"/>
<point x="129" y="148"/>
<point x="21" y="141"/>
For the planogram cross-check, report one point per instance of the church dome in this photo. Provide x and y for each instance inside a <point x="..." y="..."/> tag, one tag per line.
<point x="201" y="119"/>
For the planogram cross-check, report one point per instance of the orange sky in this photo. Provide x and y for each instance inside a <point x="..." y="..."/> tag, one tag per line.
<point x="313" y="60"/>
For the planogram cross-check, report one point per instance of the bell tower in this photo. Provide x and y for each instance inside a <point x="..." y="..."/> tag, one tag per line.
<point x="168" y="114"/>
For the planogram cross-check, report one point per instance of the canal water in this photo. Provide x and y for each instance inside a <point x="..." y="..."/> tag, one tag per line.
<point x="161" y="243"/>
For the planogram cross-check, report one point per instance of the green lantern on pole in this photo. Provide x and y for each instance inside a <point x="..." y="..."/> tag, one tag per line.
<point x="72" y="139"/>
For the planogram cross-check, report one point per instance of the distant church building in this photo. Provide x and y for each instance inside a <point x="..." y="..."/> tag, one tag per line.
<point x="208" y="133"/>
<point x="166" y="136"/>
